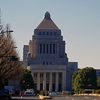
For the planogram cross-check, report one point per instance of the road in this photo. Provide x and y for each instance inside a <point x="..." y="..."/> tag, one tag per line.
<point x="59" y="98"/>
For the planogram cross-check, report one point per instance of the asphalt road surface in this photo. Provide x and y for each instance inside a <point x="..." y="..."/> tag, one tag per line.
<point x="59" y="98"/>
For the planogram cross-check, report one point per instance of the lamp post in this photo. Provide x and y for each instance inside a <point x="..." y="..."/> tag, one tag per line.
<point x="7" y="31"/>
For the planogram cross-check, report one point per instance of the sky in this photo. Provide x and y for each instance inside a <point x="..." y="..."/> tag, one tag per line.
<point x="79" y="21"/>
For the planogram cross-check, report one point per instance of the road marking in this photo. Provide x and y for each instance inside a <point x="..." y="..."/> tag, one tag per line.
<point x="95" y="99"/>
<point x="86" y="97"/>
<point x="66" y="97"/>
<point x="21" y="98"/>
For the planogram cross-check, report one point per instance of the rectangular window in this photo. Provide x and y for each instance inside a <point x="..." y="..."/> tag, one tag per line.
<point x="44" y="48"/>
<point x="50" y="48"/>
<point x="47" y="48"/>
<point x="43" y="63"/>
<point x="40" y="48"/>
<point x="53" y="48"/>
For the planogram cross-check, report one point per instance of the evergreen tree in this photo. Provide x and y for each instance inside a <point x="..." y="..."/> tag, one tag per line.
<point x="27" y="80"/>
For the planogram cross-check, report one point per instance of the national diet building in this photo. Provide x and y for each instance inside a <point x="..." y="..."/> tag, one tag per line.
<point x="46" y="58"/>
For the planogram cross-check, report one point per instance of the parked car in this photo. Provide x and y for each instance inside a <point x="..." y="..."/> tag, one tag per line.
<point x="4" y="94"/>
<point x="52" y="94"/>
<point x="28" y="93"/>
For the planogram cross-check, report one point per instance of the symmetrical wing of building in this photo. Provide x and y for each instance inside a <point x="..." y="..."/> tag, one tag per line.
<point x="46" y="58"/>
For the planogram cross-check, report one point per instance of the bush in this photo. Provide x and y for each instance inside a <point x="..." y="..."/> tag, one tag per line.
<point x="44" y="92"/>
<point x="37" y="92"/>
<point x="96" y="91"/>
<point x="67" y="93"/>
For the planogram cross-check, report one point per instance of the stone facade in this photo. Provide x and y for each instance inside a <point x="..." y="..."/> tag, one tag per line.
<point x="47" y="59"/>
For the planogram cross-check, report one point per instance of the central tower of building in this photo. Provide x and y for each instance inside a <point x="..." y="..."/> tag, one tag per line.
<point x="47" y="59"/>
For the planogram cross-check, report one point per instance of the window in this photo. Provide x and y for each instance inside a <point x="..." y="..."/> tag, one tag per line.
<point x="53" y="48"/>
<point x="43" y="33"/>
<point x="47" y="33"/>
<point x="43" y="48"/>
<point x="47" y="48"/>
<point x="50" y="48"/>
<point x="40" y="48"/>
<point x="43" y="63"/>
<point x="39" y="33"/>
<point x="54" y="33"/>
<point x="50" y="33"/>
<point x="47" y="63"/>
<point x="50" y="63"/>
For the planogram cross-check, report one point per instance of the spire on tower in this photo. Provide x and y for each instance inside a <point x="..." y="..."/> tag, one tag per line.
<point x="47" y="15"/>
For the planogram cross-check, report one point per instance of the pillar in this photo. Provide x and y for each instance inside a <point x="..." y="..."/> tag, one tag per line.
<point x="50" y="85"/>
<point x="63" y="81"/>
<point x="44" y="81"/>
<point x="38" y="81"/>
<point x="57" y="82"/>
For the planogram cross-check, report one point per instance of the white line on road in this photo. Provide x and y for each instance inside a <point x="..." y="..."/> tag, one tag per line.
<point x="86" y="97"/>
<point x="66" y="97"/>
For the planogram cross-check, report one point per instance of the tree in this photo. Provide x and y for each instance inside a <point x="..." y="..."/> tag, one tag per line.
<point x="98" y="82"/>
<point x="73" y="78"/>
<point x="85" y="79"/>
<point x="8" y="69"/>
<point x="27" y="80"/>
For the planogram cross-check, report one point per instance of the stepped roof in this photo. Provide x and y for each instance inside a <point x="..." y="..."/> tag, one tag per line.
<point x="47" y="23"/>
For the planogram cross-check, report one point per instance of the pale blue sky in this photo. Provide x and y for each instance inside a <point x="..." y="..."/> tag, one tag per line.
<point x="79" y="21"/>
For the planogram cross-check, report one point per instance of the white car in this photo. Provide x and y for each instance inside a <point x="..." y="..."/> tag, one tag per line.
<point x="28" y="93"/>
<point x="52" y="94"/>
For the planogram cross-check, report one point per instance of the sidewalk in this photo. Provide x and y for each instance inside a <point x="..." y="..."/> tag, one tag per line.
<point x="87" y="94"/>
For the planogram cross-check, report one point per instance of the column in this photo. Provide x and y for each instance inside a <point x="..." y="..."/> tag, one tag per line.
<point x="48" y="48"/>
<point x="44" y="81"/>
<point x="63" y="80"/>
<point x="57" y="82"/>
<point x="36" y="48"/>
<point x="38" y="81"/>
<point x="42" y="48"/>
<point x="50" y="85"/>
<point x="56" y="48"/>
